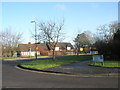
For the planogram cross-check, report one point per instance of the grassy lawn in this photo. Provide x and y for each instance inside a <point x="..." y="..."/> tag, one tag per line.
<point x="14" y="57"/>
<point x="42" y="64"/>
<point x="20" y="57"/>
<point x="114" y="64"/>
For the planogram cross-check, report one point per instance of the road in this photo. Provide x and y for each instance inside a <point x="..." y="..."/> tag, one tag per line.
<point x="13" y="77"/>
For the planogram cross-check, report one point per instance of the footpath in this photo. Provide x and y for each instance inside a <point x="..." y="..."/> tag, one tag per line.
<point x="82" y="68"/>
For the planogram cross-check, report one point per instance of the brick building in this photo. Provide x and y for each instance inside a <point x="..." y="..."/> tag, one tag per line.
<point x="44" y="49"/>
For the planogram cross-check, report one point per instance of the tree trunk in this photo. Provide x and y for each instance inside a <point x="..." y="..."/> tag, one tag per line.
<point x="77" y="52"/>
<point x="53" y="54"/>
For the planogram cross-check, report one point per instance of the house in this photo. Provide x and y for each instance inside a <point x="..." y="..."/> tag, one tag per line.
<point x="44" y="49"/>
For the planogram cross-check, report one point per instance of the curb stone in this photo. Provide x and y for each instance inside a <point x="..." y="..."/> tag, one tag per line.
<point x="57" y="72"/>
<point x="41" y="70"/>
<point x="106" y="67"/>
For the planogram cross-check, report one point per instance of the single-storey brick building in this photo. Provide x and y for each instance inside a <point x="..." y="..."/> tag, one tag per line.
<point x="44" y="49"/>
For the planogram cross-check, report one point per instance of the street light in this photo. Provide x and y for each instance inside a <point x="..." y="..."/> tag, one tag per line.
<point x="35" y="39"/>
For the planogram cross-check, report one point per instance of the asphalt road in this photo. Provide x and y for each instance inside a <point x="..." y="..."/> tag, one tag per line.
<point x="13" y="77"/>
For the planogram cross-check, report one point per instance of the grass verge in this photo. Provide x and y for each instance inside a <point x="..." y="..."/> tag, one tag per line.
<point x="42" y="64"/>
<point x="112" y="64"/>
<point x="20" y="57"/>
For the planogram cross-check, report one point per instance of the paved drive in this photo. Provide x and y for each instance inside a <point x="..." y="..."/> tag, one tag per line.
<point x="17" y="78"/>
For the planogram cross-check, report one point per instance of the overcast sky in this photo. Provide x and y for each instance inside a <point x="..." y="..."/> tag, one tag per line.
<point x="79" y="16"/>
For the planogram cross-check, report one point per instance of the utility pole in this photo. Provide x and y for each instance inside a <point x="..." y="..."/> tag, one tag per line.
<point x="35" y="39"/>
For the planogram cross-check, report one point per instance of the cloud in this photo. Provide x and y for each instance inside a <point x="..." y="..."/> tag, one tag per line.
<point x="60" y="7"/>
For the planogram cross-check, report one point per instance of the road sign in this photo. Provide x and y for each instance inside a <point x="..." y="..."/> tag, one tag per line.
<point x="97" y="58"/>
<point x="81" y="49"/>
<point x="37" y="48"/>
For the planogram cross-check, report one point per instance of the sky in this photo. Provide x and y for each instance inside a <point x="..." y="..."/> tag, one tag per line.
<point x="78" y="16"/>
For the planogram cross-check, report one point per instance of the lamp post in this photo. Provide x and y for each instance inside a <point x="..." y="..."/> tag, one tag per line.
<point x="35" y="39"/>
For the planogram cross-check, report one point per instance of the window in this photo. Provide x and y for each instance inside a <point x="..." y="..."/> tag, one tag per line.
<point x="56" y="48"/>
<point x="68" y="48"/>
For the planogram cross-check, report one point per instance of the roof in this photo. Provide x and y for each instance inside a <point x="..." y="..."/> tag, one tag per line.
<point x="42" y="46"/>
<point x="64" y="45"/>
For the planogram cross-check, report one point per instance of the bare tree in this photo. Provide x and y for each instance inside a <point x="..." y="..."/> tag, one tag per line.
<point x="51" y="33"/>
<point x="9" y="42"/>
<point x="90" y="36"/>
<point x="106" y="32"/>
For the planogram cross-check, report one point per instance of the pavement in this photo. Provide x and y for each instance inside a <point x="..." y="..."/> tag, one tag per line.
<point x="82" y="68"/>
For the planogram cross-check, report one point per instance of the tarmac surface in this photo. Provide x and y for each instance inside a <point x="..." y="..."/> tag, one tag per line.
<point x="14" y="77"/>
<point x="82" y="68"/>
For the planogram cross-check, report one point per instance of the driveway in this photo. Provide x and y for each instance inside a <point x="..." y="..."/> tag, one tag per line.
<point x="18" y="78"/>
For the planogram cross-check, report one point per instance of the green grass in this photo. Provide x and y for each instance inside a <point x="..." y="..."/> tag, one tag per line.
<point x="113" y="64"/>
<point x="42" y="64"/>
<point x="20" y="57"/>
<point x="14" y="57"/>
